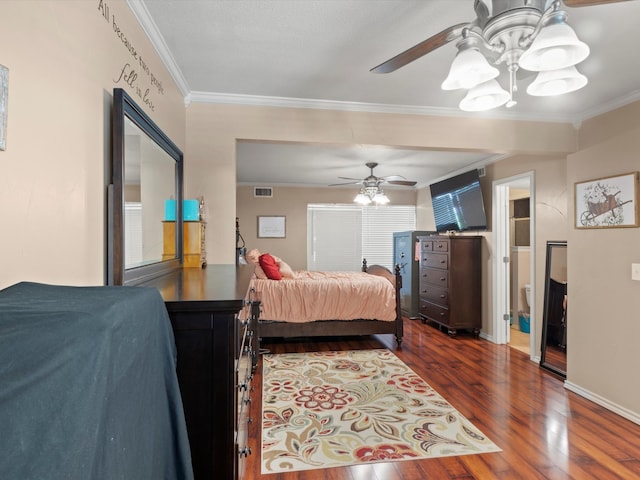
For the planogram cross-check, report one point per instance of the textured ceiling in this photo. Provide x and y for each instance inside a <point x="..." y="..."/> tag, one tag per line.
<point x="320" y="52"/>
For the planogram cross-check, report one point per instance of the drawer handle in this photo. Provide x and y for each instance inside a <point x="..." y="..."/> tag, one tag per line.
<point x="441" y="314"/>
<point x="242" y="387"/>
<point x="442" y="279"/>
<point x="247" y="401"/>
<point x="442" y="261"/>
<point x="442" y="296"/>
<point x="245" y="452"/>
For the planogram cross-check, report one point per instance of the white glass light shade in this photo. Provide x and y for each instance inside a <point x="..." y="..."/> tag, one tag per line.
<point x="468" y="69"/>
<point x="557" y="82"/>
<point x="381" y="198"/>
<point x="485" y="96"/>
<point x="556" y="46"/>
<point x="362" y="199"/>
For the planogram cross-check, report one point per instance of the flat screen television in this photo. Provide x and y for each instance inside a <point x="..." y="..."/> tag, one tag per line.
<point x="458" y="204"/>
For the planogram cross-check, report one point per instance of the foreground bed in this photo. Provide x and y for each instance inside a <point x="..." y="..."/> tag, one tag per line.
<point x="320" y="304"/>
<point x="88" y="387"/>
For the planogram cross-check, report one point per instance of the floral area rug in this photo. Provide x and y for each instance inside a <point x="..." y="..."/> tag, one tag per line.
<point x="332" y="409"/>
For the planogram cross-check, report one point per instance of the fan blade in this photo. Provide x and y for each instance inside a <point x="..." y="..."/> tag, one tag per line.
<point x="588" y="3"/>
<point x="421" y="49"/>
<point x="350" y="178"/>
<point x="405" y="183"/>
<point x="348" y="183"/>
<point x="393" y="177"/>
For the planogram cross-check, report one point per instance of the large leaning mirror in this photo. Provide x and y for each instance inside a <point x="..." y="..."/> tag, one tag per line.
<point x="554" y="317"/>
<point x="145" y="197"/>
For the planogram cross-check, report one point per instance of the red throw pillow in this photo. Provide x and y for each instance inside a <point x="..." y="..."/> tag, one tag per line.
<point x="270" y="267"/>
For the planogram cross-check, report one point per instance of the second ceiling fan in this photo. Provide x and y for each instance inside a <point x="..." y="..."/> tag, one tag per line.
<point x="371" y="190"/>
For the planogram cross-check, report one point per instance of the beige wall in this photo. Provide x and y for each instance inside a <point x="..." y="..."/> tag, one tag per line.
<point x="64" y="59"/>
<point x="212" y="131"/>
<point x="292" y="202"/>
<point x="603" y="324"/>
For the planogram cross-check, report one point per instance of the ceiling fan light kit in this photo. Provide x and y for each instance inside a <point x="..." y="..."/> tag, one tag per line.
<point x="371" y="191"/>
<point x="371" y="194"/>
<point x="528" y="34"/>
<point x="521" y="37"/>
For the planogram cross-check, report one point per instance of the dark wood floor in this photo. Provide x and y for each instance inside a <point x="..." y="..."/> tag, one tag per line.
<point x="545" y="431"/>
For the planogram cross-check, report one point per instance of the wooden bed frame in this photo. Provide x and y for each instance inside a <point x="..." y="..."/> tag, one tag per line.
<point x="331" y="328"/>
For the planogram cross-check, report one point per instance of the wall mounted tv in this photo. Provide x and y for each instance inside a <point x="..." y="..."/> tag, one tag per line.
<point x="458" y="204"/>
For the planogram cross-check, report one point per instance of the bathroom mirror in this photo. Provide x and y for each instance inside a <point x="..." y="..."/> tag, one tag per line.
<point x="146" y="172"/>
<point x="554" y="317"/>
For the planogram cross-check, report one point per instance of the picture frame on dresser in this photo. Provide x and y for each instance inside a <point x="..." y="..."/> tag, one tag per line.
<point x="608" y="202"/>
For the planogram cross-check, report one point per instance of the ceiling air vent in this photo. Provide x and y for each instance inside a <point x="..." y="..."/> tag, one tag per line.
<point x="263" y="192"/>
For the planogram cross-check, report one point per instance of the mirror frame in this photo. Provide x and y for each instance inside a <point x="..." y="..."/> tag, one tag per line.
<point x="545" y="313"/>
<point x="124" y="107"/>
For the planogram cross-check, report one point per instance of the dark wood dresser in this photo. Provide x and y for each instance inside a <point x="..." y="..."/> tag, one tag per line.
<point x="213" y="328"/>
<point x="450" y="282"/>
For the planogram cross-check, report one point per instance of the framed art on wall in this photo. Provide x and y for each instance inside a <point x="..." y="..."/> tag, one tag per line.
<point x="271" y="226"/>
<point x="607" y="202"/>
<point x="4" y="94"/>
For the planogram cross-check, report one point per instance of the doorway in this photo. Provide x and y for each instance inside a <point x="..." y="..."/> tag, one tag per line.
<point x="513" y="263"/>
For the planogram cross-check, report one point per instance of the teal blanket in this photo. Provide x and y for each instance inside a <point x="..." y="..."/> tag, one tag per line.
<point x="88" y="387"/>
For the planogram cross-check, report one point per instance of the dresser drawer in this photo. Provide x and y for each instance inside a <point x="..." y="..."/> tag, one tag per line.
<point x="434" y="312"/>
<point x="426" y="245"/>
<point x="441" y="246"/>
<point x="434" y="276"/>
<point x="437" y="295"/>
<point x="436" y="260"/>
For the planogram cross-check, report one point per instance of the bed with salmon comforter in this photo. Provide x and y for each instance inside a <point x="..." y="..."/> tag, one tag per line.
<point x="318" y="304"/>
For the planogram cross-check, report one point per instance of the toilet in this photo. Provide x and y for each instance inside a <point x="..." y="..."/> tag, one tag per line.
<point x="527" y="293"/>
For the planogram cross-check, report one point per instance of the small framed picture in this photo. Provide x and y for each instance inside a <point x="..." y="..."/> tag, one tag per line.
<point x="272" y="226"/>
<point x="4" y="95"/>
<point x="607" y="202"/>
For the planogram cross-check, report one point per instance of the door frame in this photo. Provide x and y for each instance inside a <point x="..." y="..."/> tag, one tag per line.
<point x="502" y="249"/>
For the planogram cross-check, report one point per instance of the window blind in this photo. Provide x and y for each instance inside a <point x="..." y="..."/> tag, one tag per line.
<point x="334" y="237"/>
<point x="340" y="236"/>
<point x="133" y="233"/>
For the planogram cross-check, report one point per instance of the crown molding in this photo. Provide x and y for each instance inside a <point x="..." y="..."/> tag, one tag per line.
<point x="609" y="106"/>
<point x="143" y="16"/>
<point x="289" y="102"/>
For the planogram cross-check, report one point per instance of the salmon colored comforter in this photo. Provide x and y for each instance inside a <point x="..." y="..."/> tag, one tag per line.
<point x="312" y="295"/>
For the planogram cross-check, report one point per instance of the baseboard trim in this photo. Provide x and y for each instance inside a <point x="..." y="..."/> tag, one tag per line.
<point x="603" y="402"/>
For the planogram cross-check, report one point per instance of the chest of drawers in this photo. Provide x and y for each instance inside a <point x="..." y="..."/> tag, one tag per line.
<point x="213" y="326"/>
<point x="450" y="287"/>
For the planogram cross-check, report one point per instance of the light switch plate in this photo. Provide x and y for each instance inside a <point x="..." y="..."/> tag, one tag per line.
<point x="635" y="271"/>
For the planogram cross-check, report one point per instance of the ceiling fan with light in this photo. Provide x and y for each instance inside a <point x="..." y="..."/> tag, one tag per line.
<point x="521" y="34"/>
<point x="371" y="190"/>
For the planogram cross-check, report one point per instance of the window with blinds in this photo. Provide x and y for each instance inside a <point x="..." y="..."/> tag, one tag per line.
<point x="340" y="236"/>
<point x="133" y="233"/>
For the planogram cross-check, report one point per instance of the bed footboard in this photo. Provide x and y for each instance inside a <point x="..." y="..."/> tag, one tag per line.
<point x="330" y="328"/>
